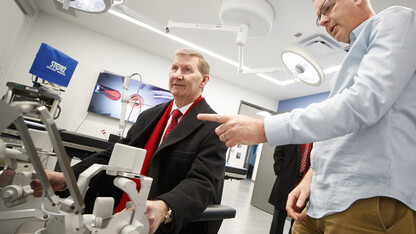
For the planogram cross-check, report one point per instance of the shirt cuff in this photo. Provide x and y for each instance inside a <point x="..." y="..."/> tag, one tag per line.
<point x="276" y="129"/>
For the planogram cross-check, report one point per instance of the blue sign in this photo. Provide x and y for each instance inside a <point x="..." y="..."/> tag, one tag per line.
<point x="54" y="66"/>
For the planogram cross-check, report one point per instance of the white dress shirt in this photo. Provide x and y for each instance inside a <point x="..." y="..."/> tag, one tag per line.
<point x="183" y="110"/>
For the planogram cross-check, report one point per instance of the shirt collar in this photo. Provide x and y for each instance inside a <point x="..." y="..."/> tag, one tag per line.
<point x="183" y="109"/>
<point x="356" y="32"/>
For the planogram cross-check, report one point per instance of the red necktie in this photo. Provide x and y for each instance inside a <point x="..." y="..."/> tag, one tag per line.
<point x="305" y="156"/>
<point x="175" y="115"/>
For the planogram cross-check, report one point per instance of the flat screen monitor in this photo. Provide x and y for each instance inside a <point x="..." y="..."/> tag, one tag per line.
<point x="106" y="99"/>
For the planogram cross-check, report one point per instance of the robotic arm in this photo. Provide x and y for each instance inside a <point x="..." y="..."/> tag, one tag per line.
<point x="68" y="217"/>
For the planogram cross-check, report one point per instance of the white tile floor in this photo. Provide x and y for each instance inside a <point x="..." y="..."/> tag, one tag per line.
<point x="249" y="219"/>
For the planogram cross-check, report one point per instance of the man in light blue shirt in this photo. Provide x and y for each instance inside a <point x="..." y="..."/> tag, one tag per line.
<point x="362" y="176"/>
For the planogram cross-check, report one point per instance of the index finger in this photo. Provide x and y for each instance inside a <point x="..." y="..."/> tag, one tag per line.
<point x="214" y="117"/>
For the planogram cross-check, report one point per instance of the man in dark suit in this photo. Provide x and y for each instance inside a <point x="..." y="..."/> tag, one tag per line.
<point x="287" y="167"/>
<point x="187" y="165"/>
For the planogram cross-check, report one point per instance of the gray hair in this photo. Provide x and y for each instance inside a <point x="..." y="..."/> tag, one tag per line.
<point x="203" y="65"/>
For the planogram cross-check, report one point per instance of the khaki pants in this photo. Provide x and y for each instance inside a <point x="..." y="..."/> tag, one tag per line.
<point x="372" y="215"/>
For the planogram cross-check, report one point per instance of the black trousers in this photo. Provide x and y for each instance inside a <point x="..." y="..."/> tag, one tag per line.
<point x="278" y="221"/>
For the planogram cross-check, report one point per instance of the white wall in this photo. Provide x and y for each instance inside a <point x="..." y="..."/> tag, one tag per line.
<point x="257" y="162"/>
<point x="12" y="34"/>
<point x="95" y="52"/>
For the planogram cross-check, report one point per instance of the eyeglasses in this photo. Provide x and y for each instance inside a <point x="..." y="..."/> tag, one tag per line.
<point x="325" y="9"/>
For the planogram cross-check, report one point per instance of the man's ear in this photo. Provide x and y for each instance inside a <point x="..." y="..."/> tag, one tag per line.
<point x="205" y="79"/>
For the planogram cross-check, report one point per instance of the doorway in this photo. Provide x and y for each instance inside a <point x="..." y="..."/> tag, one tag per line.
<point x="248" y="156"/>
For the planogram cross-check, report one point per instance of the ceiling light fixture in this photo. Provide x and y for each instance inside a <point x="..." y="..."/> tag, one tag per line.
<point x="134" y="17"/>
<point x="255" y="18"/>
<point x="90" y="6"/>
<point x="302" y="66"/>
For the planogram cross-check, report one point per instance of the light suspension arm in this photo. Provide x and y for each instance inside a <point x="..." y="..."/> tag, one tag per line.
<point x="242" y="32"/>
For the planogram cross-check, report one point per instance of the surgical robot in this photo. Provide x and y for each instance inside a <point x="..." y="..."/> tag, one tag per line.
<point x="50" y="213"/>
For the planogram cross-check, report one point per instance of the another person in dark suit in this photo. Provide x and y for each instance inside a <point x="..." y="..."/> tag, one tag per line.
<point x="287" y="167"/>
<point x="187" y="166"/>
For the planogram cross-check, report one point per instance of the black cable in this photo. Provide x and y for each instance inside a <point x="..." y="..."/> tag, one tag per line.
<point x="59" y="112"/>
<point x="81" y="122"/>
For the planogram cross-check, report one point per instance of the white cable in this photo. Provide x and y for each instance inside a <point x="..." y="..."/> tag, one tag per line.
<point x="39" y="230"/>
<point x="134" y="103"/>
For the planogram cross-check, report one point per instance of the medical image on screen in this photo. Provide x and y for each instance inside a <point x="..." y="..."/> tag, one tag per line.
<point x="106" y="99"/>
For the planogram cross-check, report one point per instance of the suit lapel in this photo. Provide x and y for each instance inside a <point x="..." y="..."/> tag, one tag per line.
<point x="140" y="139"/>
<point x="186" y="126"/>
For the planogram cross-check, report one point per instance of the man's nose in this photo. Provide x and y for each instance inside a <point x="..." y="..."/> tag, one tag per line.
<point x="178" y="74"/>
<point x="324" y="20"/>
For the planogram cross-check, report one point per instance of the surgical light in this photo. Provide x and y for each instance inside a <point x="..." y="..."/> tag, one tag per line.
<point x="255" y="18"/>
<point x="90" y="6"/>
<point x="257" y="15"/>
<point x="302" y="66"/>
<point x="136" y="18"/>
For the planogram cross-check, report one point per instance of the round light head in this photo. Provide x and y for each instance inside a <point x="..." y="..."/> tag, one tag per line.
<point x="302" y="66"/>
<point x="258" y="15"/>
<point x="90" y="6"/>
